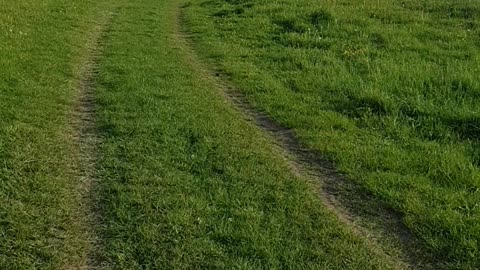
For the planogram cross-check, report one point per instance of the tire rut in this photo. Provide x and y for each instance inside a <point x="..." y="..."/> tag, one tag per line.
<point x="353" y="205"/>
<point x="86" y="139"/>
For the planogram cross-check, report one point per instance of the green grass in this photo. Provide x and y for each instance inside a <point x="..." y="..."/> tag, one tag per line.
<point x="186" y="182"/>
<point x="388" y="90"/>
<point x="40" y="48"/>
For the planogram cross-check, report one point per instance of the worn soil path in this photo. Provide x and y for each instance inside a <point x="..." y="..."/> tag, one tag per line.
<point x="87" y="140"/>
<point x="382" y="227"/>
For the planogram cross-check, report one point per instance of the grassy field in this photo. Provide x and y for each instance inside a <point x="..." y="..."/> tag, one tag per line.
<point x="183" y="180"/>
<point x="186" y="182"/>
<point x="40" y="49"/>
<point x="388" y="90"/>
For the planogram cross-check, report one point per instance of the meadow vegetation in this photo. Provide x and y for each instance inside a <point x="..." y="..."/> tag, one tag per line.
<point x="40" y="49"/>
<point x="187" y="182"/>
<point x="184" y="181"/>
<point x="388" y="90"/>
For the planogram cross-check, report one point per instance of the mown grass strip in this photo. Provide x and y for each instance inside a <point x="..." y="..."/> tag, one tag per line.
<point x="187" y="182"/>
<point x="386" y="90"/>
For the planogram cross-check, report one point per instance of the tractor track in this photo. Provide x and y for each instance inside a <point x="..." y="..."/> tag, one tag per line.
<point x="354" y="206"/>
<point x="87" y="140"/>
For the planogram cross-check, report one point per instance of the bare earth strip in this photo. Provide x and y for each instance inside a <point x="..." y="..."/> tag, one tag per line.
<point x="88" y="214"/>
<point x="354" y="207"/>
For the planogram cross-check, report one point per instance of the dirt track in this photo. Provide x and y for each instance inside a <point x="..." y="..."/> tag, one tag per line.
<point x="87" y="140"/>
<point x="367" y="217"/>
